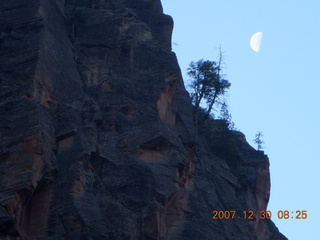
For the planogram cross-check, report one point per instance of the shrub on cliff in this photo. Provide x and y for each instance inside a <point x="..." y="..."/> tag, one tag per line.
<point x="258" y="140"/>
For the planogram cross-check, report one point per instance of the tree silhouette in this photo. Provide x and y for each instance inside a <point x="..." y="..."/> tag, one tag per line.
<point x="225" y="115"/>
<point x="207" y="83"/>
<point x="258" y="140"/>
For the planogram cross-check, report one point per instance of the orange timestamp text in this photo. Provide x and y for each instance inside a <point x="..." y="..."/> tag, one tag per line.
<point x="251" y="215"/>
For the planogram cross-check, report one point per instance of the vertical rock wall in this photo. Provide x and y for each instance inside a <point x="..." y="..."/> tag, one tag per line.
<point x="97" y="137"/>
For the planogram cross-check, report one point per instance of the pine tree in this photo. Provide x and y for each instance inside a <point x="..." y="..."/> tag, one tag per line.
<point x="259" y="141"/>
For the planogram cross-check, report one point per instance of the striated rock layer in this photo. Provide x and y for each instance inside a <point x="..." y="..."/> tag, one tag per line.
<point x="97" y="136"/>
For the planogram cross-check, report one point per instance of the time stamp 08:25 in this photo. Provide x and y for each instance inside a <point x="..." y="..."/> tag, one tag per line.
<point x="251" y="215"/>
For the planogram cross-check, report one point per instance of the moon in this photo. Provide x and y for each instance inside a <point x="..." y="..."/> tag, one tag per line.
<point x="255" y="41"/>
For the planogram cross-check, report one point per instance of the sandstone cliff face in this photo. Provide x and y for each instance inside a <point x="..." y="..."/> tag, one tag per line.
<point x="97" y="136"/>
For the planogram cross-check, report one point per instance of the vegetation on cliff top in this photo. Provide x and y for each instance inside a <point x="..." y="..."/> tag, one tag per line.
<point x="207" y="87"/>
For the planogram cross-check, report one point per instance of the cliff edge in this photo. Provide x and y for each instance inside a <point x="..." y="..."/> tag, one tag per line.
<point x="97" y="134"/>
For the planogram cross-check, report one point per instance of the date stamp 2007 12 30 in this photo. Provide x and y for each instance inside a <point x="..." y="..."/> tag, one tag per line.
<point x="251" y="215"/>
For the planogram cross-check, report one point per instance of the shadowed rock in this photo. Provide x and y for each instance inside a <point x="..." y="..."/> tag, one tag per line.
<point x="97" y="136"/>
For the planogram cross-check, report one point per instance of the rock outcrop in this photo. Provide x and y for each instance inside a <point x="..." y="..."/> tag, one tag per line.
<point x="97" y="135"/>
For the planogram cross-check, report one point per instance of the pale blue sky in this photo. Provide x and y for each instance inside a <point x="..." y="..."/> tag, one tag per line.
<point x="275" y="90"/>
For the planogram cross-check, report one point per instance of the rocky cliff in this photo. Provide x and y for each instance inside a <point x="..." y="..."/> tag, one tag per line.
<point x="97" y="135"/>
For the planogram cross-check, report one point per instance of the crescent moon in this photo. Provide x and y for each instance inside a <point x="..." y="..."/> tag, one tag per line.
<point x="255" y="41"/>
